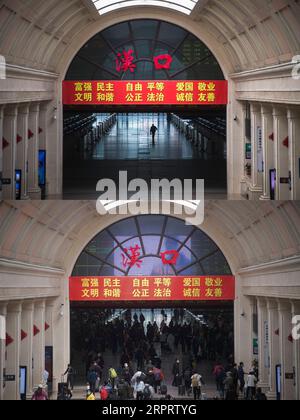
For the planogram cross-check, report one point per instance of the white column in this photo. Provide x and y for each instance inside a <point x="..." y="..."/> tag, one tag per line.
<point x="286" y="349"/>
<point x="281" y="152"/>
<point x="55" y="149"/>
<point x="244" y="186"/>
<point x="22" y="147"/>
<point x="13" y="328"/>
<point x="296" y="345"/>
<point x="3" y="312"/>
<point x="33" y="150"/>
<point x="1" y="151"/>
<point x="268" y="148"/>
<point x="255" y="189"/>
<point x="27" y="343"/>
<point x="274" y="345"/>
<point x="294" y="151"/>
<point x="9" y="150"/>
<point x="263" y="344"/>
<point x="254" y="336"/>
<point x="43" y="139"/>
<point x="49" y="333"/>
<point x="39" y="343"/>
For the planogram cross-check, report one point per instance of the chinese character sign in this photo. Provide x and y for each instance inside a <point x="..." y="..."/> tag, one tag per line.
<point x="125" y="62"/>
<point x="145" y="92"/>
<point x="216" y="288"/>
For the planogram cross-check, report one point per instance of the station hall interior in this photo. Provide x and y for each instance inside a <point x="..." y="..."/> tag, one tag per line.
<point x="162" y="90"/>
<point x="253" y="132"/>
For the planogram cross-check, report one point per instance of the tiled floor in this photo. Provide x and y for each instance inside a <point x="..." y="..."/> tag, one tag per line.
<point x="130" y="139"/>
<point x="128" y="147"/>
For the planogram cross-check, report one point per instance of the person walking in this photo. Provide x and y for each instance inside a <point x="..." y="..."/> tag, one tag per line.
<point x="153" y="132"/>
<point x="176" y="373"/>
<point x="70" y="377"/>
<point x="92" y="380"/>
<point x="230" y="392"/>
<point x="241" y="377"/>
<point x="187" y="380"/>
<point x="112" y="376"/>
<point x="220" y="375"/>
<point x="251" y="386"/>
<point x="197" y="385"/>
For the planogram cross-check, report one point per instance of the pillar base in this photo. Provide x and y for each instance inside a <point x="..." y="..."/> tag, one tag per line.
<point x="265" y="198"/>
<point x="25" y="197"/>
<point x="272" y="396"/>
<point x="263" y="386"/>
<point x="35" y="194"/>
<point x="255" y="193"/>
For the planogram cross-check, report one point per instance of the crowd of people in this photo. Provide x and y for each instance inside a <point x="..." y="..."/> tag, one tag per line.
<point x="143" y="347"/>
<point x="233" y="383"/>
<point x="92" y="331"/>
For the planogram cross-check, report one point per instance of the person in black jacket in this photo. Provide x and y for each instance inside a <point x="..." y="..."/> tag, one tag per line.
<point x="176" y="373"/>
<point x="70" y="377"/>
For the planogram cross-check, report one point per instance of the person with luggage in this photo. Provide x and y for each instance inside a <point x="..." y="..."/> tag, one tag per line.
<point x="197" y="385"/>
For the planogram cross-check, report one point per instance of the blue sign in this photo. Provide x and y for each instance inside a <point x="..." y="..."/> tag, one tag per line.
<point x="42" y="168"/>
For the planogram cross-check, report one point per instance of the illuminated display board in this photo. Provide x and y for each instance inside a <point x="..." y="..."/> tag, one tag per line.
<point x="149" y="288"/>
<point x="201" y="92"/>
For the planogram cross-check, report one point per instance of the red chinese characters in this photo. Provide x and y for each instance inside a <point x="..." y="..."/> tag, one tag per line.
<point x="169" y="257"/>
<point x="124" y="62"/>
<point x="163" y="62"/>
<point x="134" y="257"/>
<point x="150" y="288"/>
<point x="144" y="92"/>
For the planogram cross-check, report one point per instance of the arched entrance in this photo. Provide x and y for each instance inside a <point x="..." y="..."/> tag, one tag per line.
<point x="165" y="73"/>
<point x="160" y="269"/>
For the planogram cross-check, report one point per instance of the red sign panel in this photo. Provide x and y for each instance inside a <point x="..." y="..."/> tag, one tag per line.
<point x="201" y="92"/>
<point x="84" y="289"/>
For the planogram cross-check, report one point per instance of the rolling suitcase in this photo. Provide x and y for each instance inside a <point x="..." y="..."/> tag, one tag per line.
<point x="181" y="390"/>
<point x="163" y="389"/>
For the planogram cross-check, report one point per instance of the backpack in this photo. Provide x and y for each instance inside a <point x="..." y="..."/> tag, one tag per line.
<point x="147" y="393"/>
<point x="158" y="377"/>
<point x="112" y="373"/>
<point x="164" y="389"/>
<point x="104" y="394"/>
<point x="92" y="377"/>
<point x="195" y="382"/>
